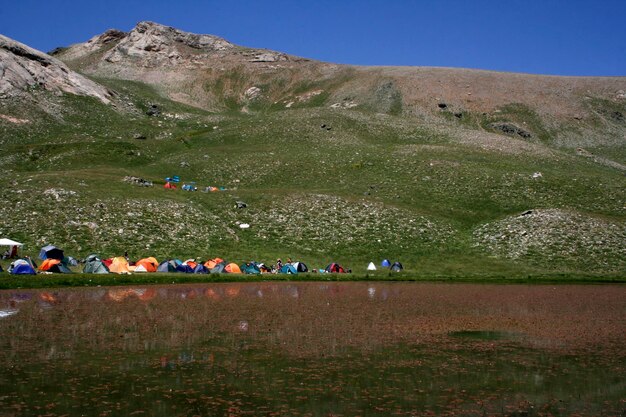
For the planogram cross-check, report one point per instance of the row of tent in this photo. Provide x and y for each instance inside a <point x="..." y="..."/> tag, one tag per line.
<point x="120" y="265"/>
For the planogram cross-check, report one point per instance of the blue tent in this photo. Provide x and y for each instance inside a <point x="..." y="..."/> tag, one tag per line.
<point x="51" y="252"/>
<point x="219" y="269"/>
<point x="184" y="268"/>
<point x="23" y="269"/>
<point x="167" y="266"/>
<point x="386" y="263"/>
<point x="200" y="269"/>
<point x="288" y="269"/>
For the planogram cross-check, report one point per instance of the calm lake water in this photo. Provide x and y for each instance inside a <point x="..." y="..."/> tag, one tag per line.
<point x="314" y="349"/>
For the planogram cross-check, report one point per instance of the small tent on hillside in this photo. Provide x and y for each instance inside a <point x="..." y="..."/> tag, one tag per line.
<point x="54" y="265"/>
<point x="335" y="269"/>
<point x="119" y="265"/>
<point x="371" y="267"/>
<point x="21" y="267"/>
<point x="232" y="268"/>
<point x="51" y="252"/>
<point x="149" y="264"/>
<point x="94" y="265"/>
<point x="167" y="266"/>
<point x="288" y="269"/>
<point x="169" y="185"/>
<point x="385" y="263"/>
<point x="396" y="267"/>
<point x="301" y="267"/>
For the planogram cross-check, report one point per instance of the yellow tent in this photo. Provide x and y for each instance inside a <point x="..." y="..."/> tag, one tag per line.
<point x="119" y="265"/>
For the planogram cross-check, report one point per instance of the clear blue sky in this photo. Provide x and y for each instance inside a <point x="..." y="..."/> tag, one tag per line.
<point x="573" y="37"/>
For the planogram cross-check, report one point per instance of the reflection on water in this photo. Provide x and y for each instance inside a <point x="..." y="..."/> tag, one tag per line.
<point x="314" y="348"/>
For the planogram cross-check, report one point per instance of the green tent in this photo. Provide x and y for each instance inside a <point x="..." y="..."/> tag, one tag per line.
<point x="94" y="265"/>
<point x="250" y="269"/>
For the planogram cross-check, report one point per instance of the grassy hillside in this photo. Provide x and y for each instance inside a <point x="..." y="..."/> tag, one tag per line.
<point x="321" y="184"/>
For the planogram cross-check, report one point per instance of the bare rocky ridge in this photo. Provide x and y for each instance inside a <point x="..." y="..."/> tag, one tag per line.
<point x="186" y="67"/>
<point x="22" y="68"/>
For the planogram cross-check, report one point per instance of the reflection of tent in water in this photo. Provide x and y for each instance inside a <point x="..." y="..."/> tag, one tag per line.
<point x="301" y="267"/>
<point x="21" y="267"/>
<point x="120" y="294"/>
<point x="51" y="252"/>
<point x="119" y="265"/>
<point x="288" y="269"/>
<point x="94" y="265"/>
<point x="396" y="267"/>
<point x="54" y="265"/>
<point x="371" y="267"/>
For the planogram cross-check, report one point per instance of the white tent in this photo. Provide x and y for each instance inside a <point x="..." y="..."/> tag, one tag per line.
<point x="371" y="267"/>
<point x="9" y="242"/>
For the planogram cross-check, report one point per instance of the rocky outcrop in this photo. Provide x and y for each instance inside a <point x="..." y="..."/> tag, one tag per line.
<point x="155" y="44"/>
<point x="23" y="68"/>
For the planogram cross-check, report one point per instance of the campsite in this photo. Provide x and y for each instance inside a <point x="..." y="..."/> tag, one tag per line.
<point x="316" y="209"/>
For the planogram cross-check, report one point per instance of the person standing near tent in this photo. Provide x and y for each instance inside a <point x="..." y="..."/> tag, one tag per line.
<point x="279" y="265"/>
<point x="13" y="252"/>
<point x="30" y="261"/>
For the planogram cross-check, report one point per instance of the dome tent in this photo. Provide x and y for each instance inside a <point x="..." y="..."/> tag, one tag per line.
<point x="385" y="263"/>
<point x="21" y="267"/>
<point x="288" y="269"/>
<point x="301" y="267"/>
<point x="94" y="265"/>
<point x="51" y="252"/>
<point x="396" y="267"/>
<point x="371" y="267"/>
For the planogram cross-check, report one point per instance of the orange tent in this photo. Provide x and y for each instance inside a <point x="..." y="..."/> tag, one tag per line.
<point x="150" y="264"/>
<point x="169" y="185"/>
<point x="191" y="263"/>
<point x="48" y="263"/>
<point x="119" y="265"/>
<point x="232" y="268"/>
<point x="211" y="263"/>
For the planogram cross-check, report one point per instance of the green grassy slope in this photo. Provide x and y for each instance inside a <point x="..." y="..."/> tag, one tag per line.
<point x="372" y="186"/>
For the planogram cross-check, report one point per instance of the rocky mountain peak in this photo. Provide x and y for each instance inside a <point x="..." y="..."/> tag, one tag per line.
<point x="159" y="44"/>
<point x="23" y="68"/>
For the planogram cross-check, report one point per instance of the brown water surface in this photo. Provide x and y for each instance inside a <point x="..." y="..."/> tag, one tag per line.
<point x="315" y="349"/>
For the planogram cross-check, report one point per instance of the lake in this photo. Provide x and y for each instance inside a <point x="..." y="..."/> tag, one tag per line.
<point x="314" y="349"/>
